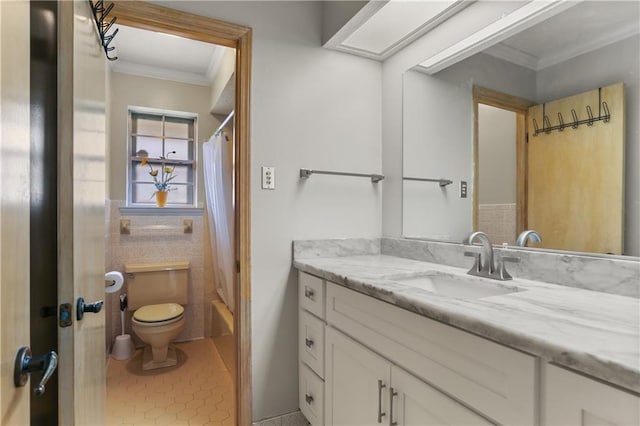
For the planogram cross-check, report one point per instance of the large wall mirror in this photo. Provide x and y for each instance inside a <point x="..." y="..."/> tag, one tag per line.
<point x="539" y="131"/>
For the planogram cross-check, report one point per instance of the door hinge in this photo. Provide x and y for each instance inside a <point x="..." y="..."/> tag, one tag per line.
<point x="526" y="138"/>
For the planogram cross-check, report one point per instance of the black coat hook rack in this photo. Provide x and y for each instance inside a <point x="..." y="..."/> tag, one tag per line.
<point x="100" y="13"/>
<point x="603" y="115"/>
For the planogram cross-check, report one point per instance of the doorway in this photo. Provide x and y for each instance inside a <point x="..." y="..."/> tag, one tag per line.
<point x="492" y="105"/>
<point x="159" y="19"/>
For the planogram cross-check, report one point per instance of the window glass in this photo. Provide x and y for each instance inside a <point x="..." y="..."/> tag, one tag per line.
<point x="166" y="140"/>
<point x="149" y="125"/>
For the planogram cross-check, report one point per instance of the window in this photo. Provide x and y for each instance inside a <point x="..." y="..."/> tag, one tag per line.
<point x="166" y="139"/>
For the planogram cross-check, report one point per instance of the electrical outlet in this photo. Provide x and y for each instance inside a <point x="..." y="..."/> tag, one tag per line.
<point x="463" y="189"/>
<point x="268" y="177"/>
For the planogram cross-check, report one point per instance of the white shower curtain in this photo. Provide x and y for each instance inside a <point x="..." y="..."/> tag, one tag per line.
<point x="218" y="189"/>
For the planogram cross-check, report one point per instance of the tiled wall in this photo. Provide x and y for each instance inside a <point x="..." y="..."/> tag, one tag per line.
<point x="498" y="221"/>
<point x="143" y="246"/>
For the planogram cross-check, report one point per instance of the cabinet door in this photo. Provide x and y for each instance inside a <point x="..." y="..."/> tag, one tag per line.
<point x="572" y="399"/>
<point x="413" y="402"/>
<point x="356" y="383"/>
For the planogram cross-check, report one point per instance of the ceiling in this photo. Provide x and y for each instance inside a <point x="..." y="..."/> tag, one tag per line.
<point x="165" y="56"/>
<point x="383" y="27"/>
<point x="585" y="27"/>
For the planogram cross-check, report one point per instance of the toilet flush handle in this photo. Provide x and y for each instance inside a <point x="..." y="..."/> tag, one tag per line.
<point x="82" y="307"/>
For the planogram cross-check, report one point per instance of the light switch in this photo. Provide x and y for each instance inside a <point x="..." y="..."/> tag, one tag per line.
<point x="268" y="177"/>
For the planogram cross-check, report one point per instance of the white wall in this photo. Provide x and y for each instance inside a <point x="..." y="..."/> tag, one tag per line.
<point x="611" y="64"/>
<point x="224" y="74"/>
<point x="437" y="144"/>
<point x="310" y="107"/>
<point x="496" y="155"/>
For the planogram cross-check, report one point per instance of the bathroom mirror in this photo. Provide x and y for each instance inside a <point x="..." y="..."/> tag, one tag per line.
<point x="470" y="159"/>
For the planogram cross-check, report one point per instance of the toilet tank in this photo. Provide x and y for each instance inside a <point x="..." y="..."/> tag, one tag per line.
<point x="152" y="283"/>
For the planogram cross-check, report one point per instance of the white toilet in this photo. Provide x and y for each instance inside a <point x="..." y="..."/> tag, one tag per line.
<point x="156" y="293"/>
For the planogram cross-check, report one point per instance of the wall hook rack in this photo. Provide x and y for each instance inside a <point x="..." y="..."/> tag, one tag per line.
<point x="100" y="13"/>
<point x="604" y="115"/>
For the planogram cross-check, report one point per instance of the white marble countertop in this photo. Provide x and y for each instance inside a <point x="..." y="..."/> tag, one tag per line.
<point x="591" y="332"/>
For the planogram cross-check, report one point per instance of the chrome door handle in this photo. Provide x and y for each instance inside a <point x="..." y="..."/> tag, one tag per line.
<point x="380" y="413"/>
<point x="308" y="398"/>
<point x="392" y="394"/>
<point x="308" y="342"/>
<point x="82" y="307"/>
<point x="26" y="364"/>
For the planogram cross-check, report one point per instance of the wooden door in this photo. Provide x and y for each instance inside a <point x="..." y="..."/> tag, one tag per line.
<point x="14" y="205"/>
<point x="356" y="382"/>
<point x="81" y="190"/>
<point x="576" y="176"/>
<point x="418" y="404"/>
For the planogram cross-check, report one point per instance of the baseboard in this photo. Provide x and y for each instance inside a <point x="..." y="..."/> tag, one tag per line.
<point x="291" y="419"/>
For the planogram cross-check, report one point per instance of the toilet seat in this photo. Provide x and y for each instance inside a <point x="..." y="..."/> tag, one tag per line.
<point x="164" y="313"/>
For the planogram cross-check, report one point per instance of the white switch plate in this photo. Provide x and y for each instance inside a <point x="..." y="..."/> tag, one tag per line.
<point x="268" y="177"/>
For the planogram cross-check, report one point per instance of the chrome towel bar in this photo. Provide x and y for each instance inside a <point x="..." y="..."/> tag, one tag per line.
<point x="441" y="182"/>
<point x="305" y="173"/>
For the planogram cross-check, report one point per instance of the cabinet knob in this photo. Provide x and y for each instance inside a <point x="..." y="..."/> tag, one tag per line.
<point x="308" y="342"/>
<point x="308" y="398"/>
<point x="309" y="293"/>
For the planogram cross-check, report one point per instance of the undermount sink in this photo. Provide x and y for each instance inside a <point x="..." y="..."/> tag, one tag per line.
<point x="457" y="287"/>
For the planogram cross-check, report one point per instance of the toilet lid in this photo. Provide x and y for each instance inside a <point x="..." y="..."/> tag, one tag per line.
<point x="158" y="313"/>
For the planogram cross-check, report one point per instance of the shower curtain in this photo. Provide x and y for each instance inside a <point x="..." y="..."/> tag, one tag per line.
<point x="218" y="188"/>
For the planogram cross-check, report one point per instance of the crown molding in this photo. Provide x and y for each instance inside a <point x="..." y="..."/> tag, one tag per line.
<point x="589" y="45"/>
<point x="513" y="55"/>
<point x="132" y="68"/>
<point x="521" y="19"/>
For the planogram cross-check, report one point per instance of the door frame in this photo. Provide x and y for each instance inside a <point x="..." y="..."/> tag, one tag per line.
<point x="157" y="18"/>
<point x="520" y="106"/>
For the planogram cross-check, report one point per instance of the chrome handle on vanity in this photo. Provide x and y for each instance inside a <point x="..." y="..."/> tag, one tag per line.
<point x="380" y="413"/>
<point x="25" y="364"/>
<point x="392" y="394"/>
<point x="308" y="342"/>
<point x="308" y="398"/>
<point x="309" y="293"/>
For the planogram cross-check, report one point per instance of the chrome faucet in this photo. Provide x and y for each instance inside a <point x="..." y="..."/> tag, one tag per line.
<point x="484" y="265"/>
<point x="528" y="235"/>
<point x="485" y="257"/>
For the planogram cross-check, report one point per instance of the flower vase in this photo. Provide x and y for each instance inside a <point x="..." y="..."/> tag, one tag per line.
<point x="161" y="198"/>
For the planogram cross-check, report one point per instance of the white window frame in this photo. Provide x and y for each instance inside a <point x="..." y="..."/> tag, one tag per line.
<point x="133" y="161"/>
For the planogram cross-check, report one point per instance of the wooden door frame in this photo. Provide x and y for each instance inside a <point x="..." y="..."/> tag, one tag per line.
<point x="520" y="106"/>
<point x="156" y="18"/>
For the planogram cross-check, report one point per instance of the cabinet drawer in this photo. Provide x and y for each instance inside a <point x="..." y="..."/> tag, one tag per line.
<point x="311" y="296"/>
<point x="311" y="397"/>
<point x="311" y="342"/>
<point x="492" y="379"/>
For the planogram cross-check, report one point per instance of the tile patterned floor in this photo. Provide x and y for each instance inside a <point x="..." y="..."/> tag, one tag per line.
<point x="198" y="391"/>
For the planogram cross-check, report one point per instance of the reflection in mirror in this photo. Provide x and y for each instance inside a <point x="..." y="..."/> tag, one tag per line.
<point x="472" y="123"/>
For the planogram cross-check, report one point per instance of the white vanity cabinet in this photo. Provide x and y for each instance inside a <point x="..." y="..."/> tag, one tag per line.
<point x="573" y="399"/>
<point x="366" y="362"/>
<point x="311" y="340"/>
<point x="362" y="388"/>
